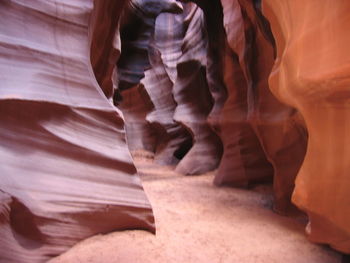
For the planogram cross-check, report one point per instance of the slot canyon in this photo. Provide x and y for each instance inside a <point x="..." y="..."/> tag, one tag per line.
<point x="175" y="131"/>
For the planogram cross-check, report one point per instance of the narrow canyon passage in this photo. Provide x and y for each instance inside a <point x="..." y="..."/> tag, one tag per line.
<point x="174" y="131"/>
<point x="198" y="222"/>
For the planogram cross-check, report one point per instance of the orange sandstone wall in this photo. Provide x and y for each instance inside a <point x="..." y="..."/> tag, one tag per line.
<point x="311" y="73"/>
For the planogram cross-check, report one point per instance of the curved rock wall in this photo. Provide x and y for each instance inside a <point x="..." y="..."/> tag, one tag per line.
<point x="311" y="73"/>
<point x="262" y="129"/>
<point x="137" y="29"/>
<point x="278" y="126"/>
<point x="192" y="83"/>
<point x="208" y="71"/>
<point x="173" y="140"/>
<point x="105" y="42"/>
<point x="193" y="98"/>
<point x="66" y="172"/>
<point x="170" y="60"/>
<point x="261" y="136"/>
<point x="244" y="161"/>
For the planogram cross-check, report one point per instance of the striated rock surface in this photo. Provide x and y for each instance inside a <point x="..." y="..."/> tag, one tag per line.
<point x="159" y="82"/>
<point x="192" y="83"/>
<point x="66" y="172"/>
<point x="171" y="63"/>
<point x="173" y="140"/>
<point x="257" y="130"/>
<point x="243" y="161"/>
<point x="311" y="73"/>
<point x="193" y="97"/>
<point x="137" y="30"/>
<point x="279" y="127"/>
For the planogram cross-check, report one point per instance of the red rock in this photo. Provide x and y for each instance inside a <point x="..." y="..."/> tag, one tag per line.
<point x="66" y="172"/>
<point x="135" y="104"/>
<point x="137" y="30"/>
<point x="311" y="73"/>
<point x="173" y="140"/>
<point x="243" y="161"/>
<point x="255" y="127"/>
<point x="193" y="97"/>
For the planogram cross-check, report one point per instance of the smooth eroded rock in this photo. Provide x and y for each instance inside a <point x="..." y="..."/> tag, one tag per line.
<point x="66" y="173"/>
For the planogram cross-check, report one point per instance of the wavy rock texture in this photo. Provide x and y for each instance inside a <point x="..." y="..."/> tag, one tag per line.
<point x="250" y="164"/>
<point x="173" y="140"/>
<point x="137" y="29"/>
<point x="192" y="83"/>
<point x="177" y="43"/>
<point x="216" y="50"/>
<point x="176" y="140"/>
<point x="256" y="128"/>
<point x="278" y="126"/>
<point x="243" y="160"/>
<point x="66" y="172"/>
<point x="193" y="97"/>
<point x="311" y="73"/>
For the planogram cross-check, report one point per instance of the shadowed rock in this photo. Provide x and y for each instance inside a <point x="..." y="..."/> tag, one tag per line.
<point x="137" y="29"/>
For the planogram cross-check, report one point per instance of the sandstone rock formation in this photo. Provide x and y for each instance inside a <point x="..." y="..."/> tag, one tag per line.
<point x="193" y="98"/>
<point x="66" y="172"/>
<point x="264" y="126"/>
<point x="105" y="42"/>
<point x="240" y="56"/>
<point x="176" y="83"/>
<point x="137" y="29"/>
<point x="201" y="84"/>
<point x="173" y="140"/>
<point x="208" y="70"/>
<point x="311" y="73"/>
<point x="244" y="161"/>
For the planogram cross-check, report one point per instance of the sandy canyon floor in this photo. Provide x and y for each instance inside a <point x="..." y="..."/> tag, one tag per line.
<point x="198" y="222"/>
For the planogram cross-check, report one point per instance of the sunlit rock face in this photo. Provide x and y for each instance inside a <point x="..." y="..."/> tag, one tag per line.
<point x="311" y="73"/>
<point x="65" y="171"/>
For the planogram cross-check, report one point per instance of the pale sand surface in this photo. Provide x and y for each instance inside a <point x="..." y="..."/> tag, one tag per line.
<point x="198" y="222"/>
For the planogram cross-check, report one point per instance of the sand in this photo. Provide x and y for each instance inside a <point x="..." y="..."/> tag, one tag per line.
<point x="199" y="222"/>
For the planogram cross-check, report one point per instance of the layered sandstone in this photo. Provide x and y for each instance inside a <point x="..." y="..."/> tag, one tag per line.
<point x="192" y="84"/>
<point x="267" y="131"/>
<point x="66" y="172"/>
<point x="193" y="98"/>
<point x="167" y="53"/>
<point x="137" y="29"/>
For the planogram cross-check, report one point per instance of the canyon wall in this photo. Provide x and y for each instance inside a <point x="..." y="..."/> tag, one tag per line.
<point x="213" y="65"/>
<point x="194" y="86"/>
<point x="311" y="73"/>
<point x="202" y="86"/>
<point x="269" y="139"/>
<point x="66" y="172"/>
